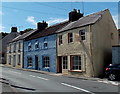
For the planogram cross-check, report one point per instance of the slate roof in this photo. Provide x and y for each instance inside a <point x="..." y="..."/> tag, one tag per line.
<point x="6" y="39"/>
<point x="48" y="31"/>
<point x="83" y="21"/>
<point x="23" y="36"/>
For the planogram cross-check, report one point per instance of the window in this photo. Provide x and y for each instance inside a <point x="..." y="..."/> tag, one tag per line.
<point x="29" y="46"/>
<point x="14" y="49"/>
<point x="3" y="54"/>
<point x="60" y="39"/>
<point x="36" y="45"/>
<point x="14" y="60"/>
<point x="29" y="61"/>
<point x="19" y="46"/>
<point x="9" y="60"/>
<point x="75" y="62"/>
<point x="46" y="61"/>
<point x="112" y="36"/>
<point x="82" y="34"/>
<point x="64" y="60"/>
<point x="9" y="48"/>
<point x="45" y="43"/>
<point x="70" y="37"/>
<point x="19" y="59"/>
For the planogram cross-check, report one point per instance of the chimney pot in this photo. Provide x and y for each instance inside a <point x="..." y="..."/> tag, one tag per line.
<point x="42" y="25"/>
<point x="14" y="29"/>
<point x="75" y="15"/>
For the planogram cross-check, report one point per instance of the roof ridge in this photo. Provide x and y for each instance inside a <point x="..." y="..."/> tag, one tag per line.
<point x="96" y="13"/>
<point x="58" y="24"/>
<point x="85" y="20"/>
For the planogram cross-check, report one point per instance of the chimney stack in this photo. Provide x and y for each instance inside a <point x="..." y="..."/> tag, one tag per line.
<point x="75" y="15"/>
<point x="14" y="29"/>
<point x="42" y="25"/>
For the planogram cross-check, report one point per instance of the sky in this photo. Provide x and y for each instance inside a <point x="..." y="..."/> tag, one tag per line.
<point x="26" y="14"/>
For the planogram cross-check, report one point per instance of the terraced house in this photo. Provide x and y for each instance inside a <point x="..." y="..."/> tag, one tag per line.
<point x="4" y="41"/>
<point x="84" y="46"/>
<point x="40" y="48"/>
<point x="15" y="50"/>
<point x="81" y="46"/>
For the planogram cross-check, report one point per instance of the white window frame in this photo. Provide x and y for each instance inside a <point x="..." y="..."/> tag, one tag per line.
<point x="65" y="62"/>
<point x="29" y="46"/>
<point x="76" y="62"/>
<point x="36" y="45"/>
<point x="82" y="34"/>
<point x="30" y="61"/>
<point x="46" y="61"/>
<point x="70" y="37"/>
<point x="45" y="43"/>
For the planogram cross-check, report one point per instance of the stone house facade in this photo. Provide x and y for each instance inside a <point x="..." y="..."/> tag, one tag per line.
<point x="15" y="50"/>
<point x="84" y="46"/>
<point x="15" y="54"/>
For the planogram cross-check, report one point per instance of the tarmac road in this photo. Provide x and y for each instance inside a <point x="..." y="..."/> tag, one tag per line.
<point x="26" y="81"/>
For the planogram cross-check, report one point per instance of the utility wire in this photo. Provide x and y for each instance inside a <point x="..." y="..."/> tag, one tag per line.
<point x="43" y="4"/>
<point x="32" y="11"/>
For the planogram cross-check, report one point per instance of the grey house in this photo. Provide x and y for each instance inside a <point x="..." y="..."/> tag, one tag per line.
<point x="4" y="41"/>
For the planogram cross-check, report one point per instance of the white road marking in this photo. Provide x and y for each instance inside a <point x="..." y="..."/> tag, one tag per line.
<point x="109" y="82"/>
<point x="32" y="75"/>
<point x="15" y="72"/>
<point x="77" y="88"/>
<point x="38" y="77"/>
<point x="42" y="78"/>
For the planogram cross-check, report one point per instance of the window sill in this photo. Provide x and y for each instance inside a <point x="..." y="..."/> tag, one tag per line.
<point x="75" y="71"/>
<point x="29" y="66"/>
<point x="60" y="44"/>
<point x="64" y="69"/>
<point x="45" y="48"/>
<point x="36" y="49"/>
<point x="46" y="67"/>
<point x="70" y="42"/>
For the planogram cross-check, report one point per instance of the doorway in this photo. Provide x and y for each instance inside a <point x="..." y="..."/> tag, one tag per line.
<point x="59" y="64"/>
<point x="36" y="62"/>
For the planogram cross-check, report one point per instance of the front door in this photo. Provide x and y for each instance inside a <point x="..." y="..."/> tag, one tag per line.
<point x="59" y="64"/>
<point x="36" y="62"/>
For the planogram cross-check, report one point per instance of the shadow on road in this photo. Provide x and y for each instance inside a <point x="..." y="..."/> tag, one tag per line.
<point x="23" y="88"/>
<point x="5" y="81"/>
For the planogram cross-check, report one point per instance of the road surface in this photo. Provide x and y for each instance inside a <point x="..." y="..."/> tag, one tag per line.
<point x="26" y="81"/>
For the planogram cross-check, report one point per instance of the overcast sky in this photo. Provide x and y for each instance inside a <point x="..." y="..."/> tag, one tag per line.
<point x="26" y="14"/>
